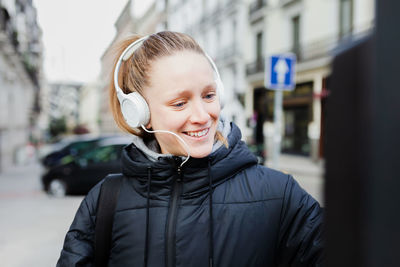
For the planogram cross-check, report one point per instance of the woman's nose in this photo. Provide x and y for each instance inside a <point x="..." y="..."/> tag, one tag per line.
<point x="199" y="113"/>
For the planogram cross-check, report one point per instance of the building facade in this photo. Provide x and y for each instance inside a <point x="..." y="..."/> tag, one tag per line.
<point x="64" y="102"/>
<point x="89" y="107"/>
<point x="312" y="30"/>
<point x="20" y="77"/>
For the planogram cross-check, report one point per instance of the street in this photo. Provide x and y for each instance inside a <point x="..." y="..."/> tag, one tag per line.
<point x="309" y="174"/>
<point x="33" y="225"/>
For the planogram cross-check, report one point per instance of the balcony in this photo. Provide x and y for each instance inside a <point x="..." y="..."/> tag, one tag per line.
<point x="255" y="67"/>
<point x="323" y="47"/>
<point x="297" y="50"/>
<point x="286" y="3"/>
<point x="8" y="28"/>
<point x="317" y="49"/>
<point x="255" y="10"/>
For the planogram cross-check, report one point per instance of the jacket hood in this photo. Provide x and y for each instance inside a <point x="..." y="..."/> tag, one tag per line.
<point x="221" y="164"/>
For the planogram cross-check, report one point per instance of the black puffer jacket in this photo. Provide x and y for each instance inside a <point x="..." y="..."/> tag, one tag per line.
<point x="258" y="216"/>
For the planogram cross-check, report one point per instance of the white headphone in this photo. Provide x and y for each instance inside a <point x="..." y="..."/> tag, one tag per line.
<point x="134" y="107"/>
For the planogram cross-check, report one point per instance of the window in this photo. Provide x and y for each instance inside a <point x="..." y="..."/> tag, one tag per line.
<point x="234" y="29"/>
<point x="102" y="154"/>
<point x="80" y="147"/>
<point x="259" y="52"/>
<point x="259" y="46"/>
<point x="346" y="17"/>
<point x="296" y="35"/>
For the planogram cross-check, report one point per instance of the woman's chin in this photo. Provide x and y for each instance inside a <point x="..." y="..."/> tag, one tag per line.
<point x="201" y="152"/>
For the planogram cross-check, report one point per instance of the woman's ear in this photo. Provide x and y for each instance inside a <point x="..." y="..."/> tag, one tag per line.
<point x="148" y="126"/>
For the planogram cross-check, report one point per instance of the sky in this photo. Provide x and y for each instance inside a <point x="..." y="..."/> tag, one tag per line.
<point x="75" y="35"/>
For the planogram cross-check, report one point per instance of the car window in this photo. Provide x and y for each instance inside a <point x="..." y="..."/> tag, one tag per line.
<point x="102" y="154"/>
<point x="79" y="147"/>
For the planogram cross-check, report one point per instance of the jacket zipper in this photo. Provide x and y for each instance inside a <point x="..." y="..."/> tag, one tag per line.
<point x="172" y="218"/>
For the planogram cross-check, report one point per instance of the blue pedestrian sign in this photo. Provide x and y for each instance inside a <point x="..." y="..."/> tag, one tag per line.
<point x="280" y="72"/>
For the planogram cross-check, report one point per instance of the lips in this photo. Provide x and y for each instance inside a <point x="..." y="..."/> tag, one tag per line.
<point x="198" y="133"/>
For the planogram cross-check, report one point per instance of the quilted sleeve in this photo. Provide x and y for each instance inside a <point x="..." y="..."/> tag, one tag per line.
<point x="300" y="235"/>
<point x="78" y="245"/>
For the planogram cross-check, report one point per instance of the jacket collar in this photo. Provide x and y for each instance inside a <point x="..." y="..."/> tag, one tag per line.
<point x="152" y="150"/>
<point x="224" y="163"/>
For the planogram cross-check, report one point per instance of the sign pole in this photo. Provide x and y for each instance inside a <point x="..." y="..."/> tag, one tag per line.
<point x="278" y="127"/>
<point x="280" y="76"/>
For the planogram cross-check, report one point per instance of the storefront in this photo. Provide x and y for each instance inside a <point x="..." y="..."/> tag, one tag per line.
<point x="297" y="114"/>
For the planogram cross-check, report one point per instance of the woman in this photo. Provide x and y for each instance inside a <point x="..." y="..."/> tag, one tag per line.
<point x="192" y="192"/>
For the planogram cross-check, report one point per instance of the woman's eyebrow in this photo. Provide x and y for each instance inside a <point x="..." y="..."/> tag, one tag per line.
<point x="179" y="94"/>
<point x="211" y="86"/>
<point x="187" y="91"/>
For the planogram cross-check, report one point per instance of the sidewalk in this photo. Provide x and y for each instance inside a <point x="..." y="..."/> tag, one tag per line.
<point x="20" y="179"/>
<point x="309" y="174"/>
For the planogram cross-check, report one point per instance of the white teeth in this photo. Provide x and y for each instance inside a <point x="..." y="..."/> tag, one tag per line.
<point x="198" y="134"/>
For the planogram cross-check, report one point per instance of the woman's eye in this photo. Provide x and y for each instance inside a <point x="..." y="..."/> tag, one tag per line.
<point x="179" y="104"/>
<point x="210" y="96"/>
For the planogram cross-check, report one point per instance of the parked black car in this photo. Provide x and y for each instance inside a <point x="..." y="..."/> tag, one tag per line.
<point x="79" y="173"/>
<point x="69" y="146"/>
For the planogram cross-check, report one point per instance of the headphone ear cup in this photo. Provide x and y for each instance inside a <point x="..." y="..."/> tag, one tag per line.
<point x="135" y="110"/>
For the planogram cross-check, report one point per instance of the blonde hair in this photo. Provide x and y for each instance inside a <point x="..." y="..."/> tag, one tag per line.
<point x="133" y="73"/>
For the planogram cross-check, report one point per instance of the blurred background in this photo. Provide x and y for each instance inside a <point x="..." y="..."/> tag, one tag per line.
<point x="55" y="123"/>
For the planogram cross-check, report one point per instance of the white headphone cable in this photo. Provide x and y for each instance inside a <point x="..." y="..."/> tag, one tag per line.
<point x="177" y="136"/>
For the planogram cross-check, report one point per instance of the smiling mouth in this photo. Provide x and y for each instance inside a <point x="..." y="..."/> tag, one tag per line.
<point x="198" y="133"/>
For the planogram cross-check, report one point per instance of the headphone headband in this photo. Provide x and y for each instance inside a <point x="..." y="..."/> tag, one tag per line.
<point x="126" y="54"/>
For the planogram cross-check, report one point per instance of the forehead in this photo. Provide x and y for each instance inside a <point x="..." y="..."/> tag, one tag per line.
<point x="181" y="69"/>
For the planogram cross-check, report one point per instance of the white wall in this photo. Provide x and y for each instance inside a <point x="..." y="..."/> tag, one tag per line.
<point x="320" y="19"/>
<point x="364" y="14"/>
<point x="89" y="107"/>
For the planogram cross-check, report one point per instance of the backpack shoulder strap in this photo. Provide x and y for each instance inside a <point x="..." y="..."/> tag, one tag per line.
<point x="107" y="202"/>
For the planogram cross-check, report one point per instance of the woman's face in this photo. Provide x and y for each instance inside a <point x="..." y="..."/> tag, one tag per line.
<point x="182" y="98"/>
